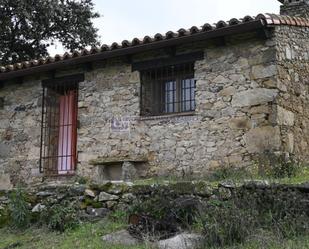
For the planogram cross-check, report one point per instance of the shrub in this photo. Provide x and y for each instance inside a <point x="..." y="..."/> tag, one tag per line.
<point x="119" y="216"/>
<point x="20" y="214"/>
<point x="181" y="210"/>
<point x="163" y="214"/>
<point x="4" y="217"/>
<point x="277" y="165"/>
<point x="60" y="217"/>
<point x="226" y="224"/>
<point x="277" y="210"/>
<point x="228" y="173"/>
<point x="81" y="180"/>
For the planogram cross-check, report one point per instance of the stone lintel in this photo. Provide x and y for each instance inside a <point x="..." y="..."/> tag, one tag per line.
<point x="116" y="160"/>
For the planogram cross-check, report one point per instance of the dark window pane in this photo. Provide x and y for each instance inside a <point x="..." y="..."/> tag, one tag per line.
<point x="173" y="91"/>
<point x="170" y="95"/>
<point x="188" y="95"/>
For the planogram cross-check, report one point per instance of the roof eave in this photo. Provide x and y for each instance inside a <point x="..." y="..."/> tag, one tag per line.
<point x="229" y="30"/>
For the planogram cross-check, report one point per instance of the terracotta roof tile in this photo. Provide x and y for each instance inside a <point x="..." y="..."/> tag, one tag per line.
<point x="266" y="20"/>
<point x="147" y="39"/>
<point x="234" y="21"/>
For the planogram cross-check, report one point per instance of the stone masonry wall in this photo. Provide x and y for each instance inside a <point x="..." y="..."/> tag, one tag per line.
<point x="299" y="8"/>
<point x="236" y="114"/>
<point x="232" y="120"/>
<point x="293" y="82"/>
<point x="20" y="129"/>
<point x="94" y="201"/>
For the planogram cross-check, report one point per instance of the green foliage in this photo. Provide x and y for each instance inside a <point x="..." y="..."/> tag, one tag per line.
<point x="226" y="224"/>
<point x="91" y="202"/>
<point x="82" y="180"/>
<point x="29" y="27"/>
<point x="274" y="165"/>
<point x="119" y="216"/>
<point x="87" y="235"/>
<point x="162" y="214"/>
<point x="280" y="212"/>
<point x="4" y="217"/>
<point x="60" y="217"/>
<point x="20" y="214"/>
<point x="229" y="172"/>
<point x="165" y="207"/>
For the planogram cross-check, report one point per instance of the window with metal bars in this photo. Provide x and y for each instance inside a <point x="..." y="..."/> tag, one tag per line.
<point x="58" y="154"/>
<point x="167" y="90"/>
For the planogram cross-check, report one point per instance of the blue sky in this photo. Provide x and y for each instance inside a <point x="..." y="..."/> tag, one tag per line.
<point x="136" y="18"/>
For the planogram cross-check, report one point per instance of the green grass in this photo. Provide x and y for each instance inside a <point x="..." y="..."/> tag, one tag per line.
<point x="271" y="243"/>
<point x="88" y="235"/>
<point x="237" y="176"/>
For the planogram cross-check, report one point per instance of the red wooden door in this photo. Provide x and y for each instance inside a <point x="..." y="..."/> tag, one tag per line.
<point x="67" y="132"/>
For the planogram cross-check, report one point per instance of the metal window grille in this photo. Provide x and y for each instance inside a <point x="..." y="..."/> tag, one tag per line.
<point x="169" y="89"/>
<point x="59" y="129"/>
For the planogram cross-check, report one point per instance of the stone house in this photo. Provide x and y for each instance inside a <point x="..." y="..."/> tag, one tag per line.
<point x="173" y="104"/>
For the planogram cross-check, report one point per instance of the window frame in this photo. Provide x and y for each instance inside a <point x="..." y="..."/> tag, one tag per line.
<point x="59" y="87"/>
<point x="179" y="89"/>
<point x="156" y="79"/>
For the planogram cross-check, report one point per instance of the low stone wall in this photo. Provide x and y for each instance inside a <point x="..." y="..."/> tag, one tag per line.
<point x="96" y="201"/>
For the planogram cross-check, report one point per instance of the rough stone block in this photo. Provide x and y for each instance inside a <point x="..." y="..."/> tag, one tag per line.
<point x="122" y="237"/>
<point x="240" y="123"/>
<point x="254" y="97"/>
<point x="5" y="182"/>
<point x="262" y="71"/>
<point x="4" y="150"/>
<point x="129" y="171"/>
<point x="259" y="139"/>
<point x="228" y="91"/>
<point x="182" y="241"/>
<point x="107" y="197"/>
<point x="290" y="143"/>
<point x="285" y="117"/>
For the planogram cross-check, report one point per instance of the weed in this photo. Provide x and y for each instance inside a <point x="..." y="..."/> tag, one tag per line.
<point x="60" y="217"/>
<point x="276" y="166"/>
<point x="20" y="214"/>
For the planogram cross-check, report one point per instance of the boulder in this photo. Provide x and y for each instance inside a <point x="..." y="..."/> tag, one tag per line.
<point x="128" y="197"/>
<point x="111" y="204"/>
<point x="90" y="193"/>
<point x="182" y="241"/>
<point x="38" y="208"/>
<point x="77" y="189"/>
<point x="97" y="212"/>
<point x="107" y="197"/>
<point x="254" y="97"/>
<point x="256" y="184"/>
<point x="122" y="237"/>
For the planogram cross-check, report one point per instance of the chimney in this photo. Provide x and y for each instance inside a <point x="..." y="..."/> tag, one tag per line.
<point x="298" y="8"/>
